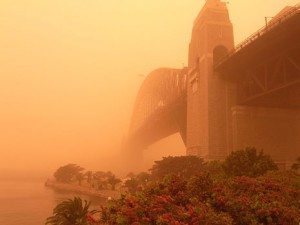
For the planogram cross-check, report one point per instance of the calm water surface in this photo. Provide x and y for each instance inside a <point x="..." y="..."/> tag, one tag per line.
<point x="30" y="203"/>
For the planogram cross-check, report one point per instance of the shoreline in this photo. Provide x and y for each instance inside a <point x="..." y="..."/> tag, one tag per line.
<point x="104" y="194"/>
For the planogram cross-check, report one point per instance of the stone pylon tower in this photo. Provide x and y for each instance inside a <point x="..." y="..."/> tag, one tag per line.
<point x="209" y="98"/>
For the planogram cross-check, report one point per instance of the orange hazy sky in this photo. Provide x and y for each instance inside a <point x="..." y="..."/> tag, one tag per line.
<point x="70" y="70"/>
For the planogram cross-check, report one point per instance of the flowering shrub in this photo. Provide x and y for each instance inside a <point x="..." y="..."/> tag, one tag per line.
<point x="247" y="189"/>
<point x="163" y="203"/>
<point x="270" y="199"/>
<point x="264" y="200"/>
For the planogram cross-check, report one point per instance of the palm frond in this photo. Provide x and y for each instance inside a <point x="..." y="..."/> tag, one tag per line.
<point x="71" y="212"/>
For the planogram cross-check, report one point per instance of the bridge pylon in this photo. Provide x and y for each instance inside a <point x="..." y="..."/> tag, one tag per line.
<point x="209" y="97"/>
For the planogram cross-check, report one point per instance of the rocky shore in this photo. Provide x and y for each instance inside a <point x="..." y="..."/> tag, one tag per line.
<point x="83" y="190"/>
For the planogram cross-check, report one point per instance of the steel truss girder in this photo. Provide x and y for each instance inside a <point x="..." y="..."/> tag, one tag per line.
<point x="272" y="75"/>
<point x="161" y="91"/>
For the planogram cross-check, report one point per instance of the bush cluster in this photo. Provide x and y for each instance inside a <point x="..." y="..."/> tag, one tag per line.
<point x="246" y="189"/>
<point x="201" y="200"/>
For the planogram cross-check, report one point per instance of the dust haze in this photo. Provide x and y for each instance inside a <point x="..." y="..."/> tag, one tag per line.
<point x="70" y="71"/>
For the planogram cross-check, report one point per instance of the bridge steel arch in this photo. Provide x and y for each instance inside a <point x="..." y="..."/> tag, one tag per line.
<point x="159" y="109"/>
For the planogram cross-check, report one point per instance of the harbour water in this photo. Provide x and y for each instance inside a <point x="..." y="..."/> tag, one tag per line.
<point x="30" y="202"/>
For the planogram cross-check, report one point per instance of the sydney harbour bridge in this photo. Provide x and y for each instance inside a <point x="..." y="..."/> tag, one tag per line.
<point x="228" y="97"/>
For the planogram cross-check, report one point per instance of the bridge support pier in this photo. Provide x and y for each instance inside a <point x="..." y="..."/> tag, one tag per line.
<point x="209" y="97"/>
<point x="275" y="130"/>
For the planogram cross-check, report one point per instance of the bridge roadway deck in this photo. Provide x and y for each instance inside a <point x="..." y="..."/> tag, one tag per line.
<point x="278" y="36"/>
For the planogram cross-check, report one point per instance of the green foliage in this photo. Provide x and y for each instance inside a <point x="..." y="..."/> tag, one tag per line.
<point x="296" y="165"/>
<point x="248" y="163"/>
<point x="143" y="177"/>
<point x="200" y="186"/>
<point x="266" y="200"/>
<point x="132" y="185"/>
<point x="72" y="212"/>
<point x="130" y="175"/>
<point x="80" y="178"/>
<point x="246" y="189"/>
<point x="136" y="182"/>
<point x="183" y="166"/>
<point x="162" y="203"/>
<point x="104" y="180"/>
<point x="89" y="177"/>
<point x="100" y="175"/>
<point x="99" y="179"/>
<point x="113" y="181"/>
<point x="68" y="172"/>
<point x="215" y="169"/>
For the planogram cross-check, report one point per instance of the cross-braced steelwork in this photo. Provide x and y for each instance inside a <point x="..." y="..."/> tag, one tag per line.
<point x="282" y="19"/>
<point x="266" y="66"/>
<point x="273" y="82"/>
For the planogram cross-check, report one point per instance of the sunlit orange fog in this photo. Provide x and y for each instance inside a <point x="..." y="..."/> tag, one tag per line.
<point x="70" y="71"/>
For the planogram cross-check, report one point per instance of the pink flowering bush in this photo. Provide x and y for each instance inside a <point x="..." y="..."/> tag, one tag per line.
<point x="264" y="200"/>
<point x="163" y="203"/>
<point x="270" y="199"/>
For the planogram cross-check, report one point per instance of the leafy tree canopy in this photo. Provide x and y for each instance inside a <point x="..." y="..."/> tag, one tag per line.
<point x="143" y="177"/>
<point x="68" y="172"/>
<point x="296" y="165"/>
<point x="132" y="185"/>
<point x="113" y="181"/>
<point x="248" y="162"/>
<point x="183" y="166"/>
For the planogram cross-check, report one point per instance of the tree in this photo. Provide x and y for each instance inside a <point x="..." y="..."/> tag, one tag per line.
<point x="89" y="176"/>
<point x="132" y="185"/>
<point x="113" y="181"/>
<point x="296" y="165"/>
<point x="108" y="174"/>
<point x="143" y="177"/>
<point x="130" y="175"/>
<point x="248" y="162"/>
<point x="100" y="175"/>
<point x="215" y="170"/>
<point x="100" y="178"/>
<point x="183" y="166"/>
<point x="80" y="178"/>
<point x="72" y="212"/>
<point x="104" y="178"/>
<point x="67" y="173"/>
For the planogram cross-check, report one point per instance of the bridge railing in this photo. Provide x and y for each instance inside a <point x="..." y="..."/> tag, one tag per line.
<point x="271" y="25"/>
